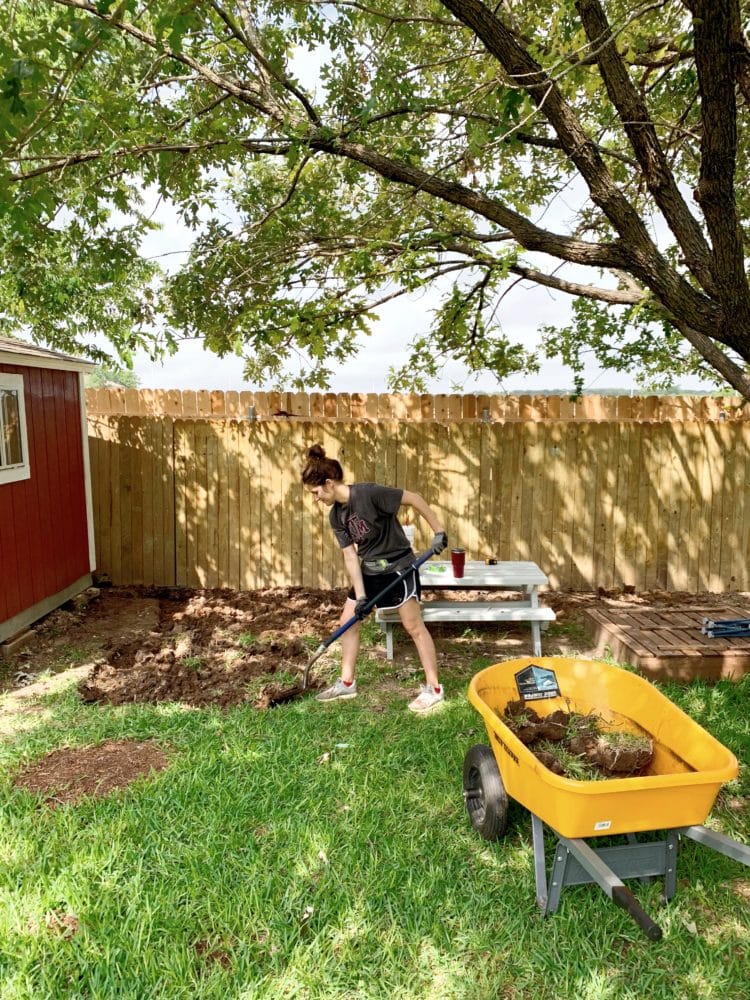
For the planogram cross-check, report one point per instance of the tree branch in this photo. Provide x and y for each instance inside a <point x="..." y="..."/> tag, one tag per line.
<point x="62" y="162"/>
<point x="388" y="16"/>
<point x="742" y="62"/>
<point x="716" y="24"/>
<point x="528" y="235"/>
<point x="63" y="87"/>
<point x="250" y="38"/>
<point x="716" y="358"/>
<point x="525" y="232"/>
<point x="275" y="208"/>
<point x="248" y="94"/>
<point x="426" y="108"/>
<point x="643" y="257"/>
<point x="640" y="131"/>
<point x="613" y="296"/>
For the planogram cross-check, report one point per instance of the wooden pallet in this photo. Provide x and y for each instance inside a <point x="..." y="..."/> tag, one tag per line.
<point x="667" y="643"/>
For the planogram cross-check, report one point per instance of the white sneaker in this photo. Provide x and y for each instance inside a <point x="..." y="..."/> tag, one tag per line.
<point x="427" y="699"/>
<point x="338" y="692"/>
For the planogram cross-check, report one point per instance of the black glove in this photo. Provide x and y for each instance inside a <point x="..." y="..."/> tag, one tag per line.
<point x="360" y="608"/>
<point x="439" y="542"/>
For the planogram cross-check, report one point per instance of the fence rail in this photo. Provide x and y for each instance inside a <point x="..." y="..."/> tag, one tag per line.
<point x="218" y="503"/>
<point x="218" y="404"/>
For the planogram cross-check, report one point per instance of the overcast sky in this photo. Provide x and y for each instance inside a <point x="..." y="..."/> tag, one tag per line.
<point x="524" y="310"/>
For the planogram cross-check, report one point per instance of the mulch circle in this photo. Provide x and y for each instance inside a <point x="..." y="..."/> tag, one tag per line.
<point x="73" y="773"/>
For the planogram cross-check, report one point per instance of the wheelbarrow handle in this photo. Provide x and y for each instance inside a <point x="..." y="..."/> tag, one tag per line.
<point x="625" y="899"/>
<point x="365" y="611"/>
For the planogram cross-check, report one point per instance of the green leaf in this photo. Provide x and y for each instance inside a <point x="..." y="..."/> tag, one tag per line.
<point x="427" y="166"/>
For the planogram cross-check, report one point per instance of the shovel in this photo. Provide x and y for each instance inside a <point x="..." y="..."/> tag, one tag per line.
<point x="365" y="611"/>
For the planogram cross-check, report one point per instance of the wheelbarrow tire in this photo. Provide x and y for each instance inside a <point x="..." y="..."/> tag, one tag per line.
<point x="484" y="793"/>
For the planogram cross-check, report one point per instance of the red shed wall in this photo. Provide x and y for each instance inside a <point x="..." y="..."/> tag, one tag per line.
<point x="43" y="529"/>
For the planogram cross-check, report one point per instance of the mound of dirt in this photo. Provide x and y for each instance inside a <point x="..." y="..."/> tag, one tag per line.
<point x="579" y="746"/>
<point x="71" y="774"/>
<point x="214" y="648"/>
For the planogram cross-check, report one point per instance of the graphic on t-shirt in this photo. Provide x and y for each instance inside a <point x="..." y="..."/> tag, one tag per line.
<point x="357" y="527"/>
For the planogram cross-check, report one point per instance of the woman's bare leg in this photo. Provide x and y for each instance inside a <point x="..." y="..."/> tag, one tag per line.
<point x="411" y="618"/>
<point x="349" y="644"/>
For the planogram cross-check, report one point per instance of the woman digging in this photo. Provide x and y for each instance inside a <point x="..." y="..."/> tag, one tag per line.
<point x="375" y="550"/>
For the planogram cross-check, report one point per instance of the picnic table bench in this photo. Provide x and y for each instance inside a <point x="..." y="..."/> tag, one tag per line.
<point x="525" y="577"/>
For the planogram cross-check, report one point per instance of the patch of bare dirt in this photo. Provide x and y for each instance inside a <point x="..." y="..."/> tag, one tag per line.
<point x="567" y="604"/>
<point x="65" y="925"/>
<point x="71" y="774"/>
<point x="223" y="648"/>
<point x="213" y="954"/>
<point x="76" y="633"/>
<point x="215" y="648"/>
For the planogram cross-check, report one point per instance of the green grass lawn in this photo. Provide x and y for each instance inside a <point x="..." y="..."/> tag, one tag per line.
<point x="324" y="852"/>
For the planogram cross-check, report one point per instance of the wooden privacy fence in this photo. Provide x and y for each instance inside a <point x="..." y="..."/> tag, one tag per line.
<point x="218" y="503"/>
<point x="218" y="404"/>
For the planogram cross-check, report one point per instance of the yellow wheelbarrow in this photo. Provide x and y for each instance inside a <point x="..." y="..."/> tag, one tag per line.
<point x="688" y="768"/>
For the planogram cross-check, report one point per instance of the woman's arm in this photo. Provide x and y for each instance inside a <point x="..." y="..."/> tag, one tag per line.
<point x="414" y="500"/>
<point x="354" y="570"/>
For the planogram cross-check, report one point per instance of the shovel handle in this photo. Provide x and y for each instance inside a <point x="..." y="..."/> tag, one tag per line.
<point x="318" y="653"/>
<point x="365" y="611"/>
<point x="374" y="600"/>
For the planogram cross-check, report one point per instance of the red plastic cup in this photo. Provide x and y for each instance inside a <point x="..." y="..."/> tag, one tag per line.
<point x="458" y="560"/>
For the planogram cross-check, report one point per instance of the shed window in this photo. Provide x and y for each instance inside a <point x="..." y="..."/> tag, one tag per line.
<point x="14" y="451"/>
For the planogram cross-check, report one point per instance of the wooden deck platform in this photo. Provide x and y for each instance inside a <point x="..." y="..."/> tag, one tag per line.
<point x="667" y="643"/>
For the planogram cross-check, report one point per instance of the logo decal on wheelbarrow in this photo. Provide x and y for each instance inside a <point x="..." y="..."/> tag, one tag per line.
<point x="535" y="682"/>
<point x="505" y="747"/>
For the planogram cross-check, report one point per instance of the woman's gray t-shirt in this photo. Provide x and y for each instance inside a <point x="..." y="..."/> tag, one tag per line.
<point x="368" y="520"/>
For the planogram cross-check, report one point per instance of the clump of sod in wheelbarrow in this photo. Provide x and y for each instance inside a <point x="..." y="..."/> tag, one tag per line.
<point x="579" y="746"/>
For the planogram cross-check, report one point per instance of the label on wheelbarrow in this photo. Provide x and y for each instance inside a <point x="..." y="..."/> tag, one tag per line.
<point x="535" y="682"/>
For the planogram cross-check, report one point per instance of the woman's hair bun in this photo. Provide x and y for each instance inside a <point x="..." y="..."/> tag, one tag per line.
<point x="318" y="468"/>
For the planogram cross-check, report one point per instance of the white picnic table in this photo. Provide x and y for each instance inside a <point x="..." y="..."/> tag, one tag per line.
<point x="524" y="577"/>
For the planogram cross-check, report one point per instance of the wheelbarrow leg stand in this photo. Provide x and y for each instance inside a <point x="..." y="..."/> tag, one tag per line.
<point x="575" y="863"/>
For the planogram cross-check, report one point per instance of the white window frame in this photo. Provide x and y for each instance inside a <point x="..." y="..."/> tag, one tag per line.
<point x="22" y="470"/>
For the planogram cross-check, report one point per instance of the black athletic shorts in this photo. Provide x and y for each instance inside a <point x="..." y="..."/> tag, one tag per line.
<point x="375" y="583"/>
